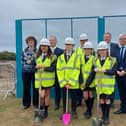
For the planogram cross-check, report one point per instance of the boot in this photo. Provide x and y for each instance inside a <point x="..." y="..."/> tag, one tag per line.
<point x="87" y="114"/>
<point x="45" y="112"/>
<point x="74" y="115"/>
<point x="103" y="110"/>
<point x="106" y="117"/>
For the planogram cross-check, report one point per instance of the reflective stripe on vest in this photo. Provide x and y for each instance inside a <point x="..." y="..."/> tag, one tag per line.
<point x="107" y="81"/>
<point x="47" y="79"/>
<point x="68" y="72"/>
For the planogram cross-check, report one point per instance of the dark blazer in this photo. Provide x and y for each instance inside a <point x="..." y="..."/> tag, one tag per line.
<point x="118" y="59"/>
<point x="114" y="47"/>
<point x="58" y="51"/>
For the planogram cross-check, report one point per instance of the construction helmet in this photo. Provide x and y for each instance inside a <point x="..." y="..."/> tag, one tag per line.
<point x="102" y="45"/>
<point x="88" y="45"/>
<point x="44" y="41"/>
<point x="83" y="36"/>
<point x="69" y="40"/>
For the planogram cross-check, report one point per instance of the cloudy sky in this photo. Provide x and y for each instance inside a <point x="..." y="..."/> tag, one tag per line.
<point x="10" y="10"/>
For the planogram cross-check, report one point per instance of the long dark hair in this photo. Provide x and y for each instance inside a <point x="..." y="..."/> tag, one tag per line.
<point x="39" y="52"/>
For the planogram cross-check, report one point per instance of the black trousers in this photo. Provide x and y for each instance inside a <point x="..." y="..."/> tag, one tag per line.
<point x="73" y="93"/>
<point x="28" y="82"/>
<point x="121" y="81"/>
<point x="57" y="93"/>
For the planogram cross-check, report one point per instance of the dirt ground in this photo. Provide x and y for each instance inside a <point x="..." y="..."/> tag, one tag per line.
<point x="12" y="114"/>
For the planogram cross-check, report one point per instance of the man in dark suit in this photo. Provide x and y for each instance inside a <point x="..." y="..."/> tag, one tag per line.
<point x="121" y="73"/>
<point x="113" y="47"/>
<point x="56" y="51"/>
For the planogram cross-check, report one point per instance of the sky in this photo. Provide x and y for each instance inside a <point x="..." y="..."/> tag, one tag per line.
<point x="11" y="10"/>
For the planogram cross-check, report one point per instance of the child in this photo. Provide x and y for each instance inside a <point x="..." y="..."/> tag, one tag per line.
<point x="105" y="70"/>
<point x="68" y="70"/>
<point x="87" y="67"/>
<point x="45" y="63"/>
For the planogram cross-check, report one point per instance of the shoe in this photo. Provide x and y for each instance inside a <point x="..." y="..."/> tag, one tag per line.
<point x="87" y="115"/>
<point x="119" y="112"/>
<point x="74" y="115"/>
<point x="26" y="107"/>
<point x="56" y="107"/>
<point x="106" y="121"/>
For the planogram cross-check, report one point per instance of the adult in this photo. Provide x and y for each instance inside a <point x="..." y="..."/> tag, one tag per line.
<point x="121" y="73"/>
<point x="56" y="51"/>
<point x="28" y="71"/>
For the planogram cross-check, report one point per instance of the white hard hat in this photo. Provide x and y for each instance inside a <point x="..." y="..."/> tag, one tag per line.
<point x="83" y="36"/>
<point x="44" y="41"/>
<point x="88" y="45"/>
<point x="69" y="40"/>
<point x="102" y="45"/>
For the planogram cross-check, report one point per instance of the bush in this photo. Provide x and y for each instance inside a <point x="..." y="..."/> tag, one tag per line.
<point x="7" y="55"/>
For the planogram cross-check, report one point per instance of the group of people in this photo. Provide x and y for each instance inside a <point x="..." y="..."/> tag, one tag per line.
<point x="80" y="71"/>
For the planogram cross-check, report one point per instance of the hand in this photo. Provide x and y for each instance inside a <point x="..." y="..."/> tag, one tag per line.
<point x="99" y="70"/>
<point x="118" y="73"/>
<point x="67" y="86"/>
<point x="82" y="85"/>
<point x="42" y="66"/>
<point x="122" y="73"/>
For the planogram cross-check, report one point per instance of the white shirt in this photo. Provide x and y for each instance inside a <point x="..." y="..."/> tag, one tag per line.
<point x="53" y="49"/>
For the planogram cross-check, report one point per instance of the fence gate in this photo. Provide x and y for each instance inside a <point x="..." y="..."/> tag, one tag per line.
<point x="7" y="79"/>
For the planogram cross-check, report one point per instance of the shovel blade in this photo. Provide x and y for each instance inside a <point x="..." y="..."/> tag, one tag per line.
<point x="37" y="116"/>
<point x="97" y="122"/>
<point x="66" y="118"/>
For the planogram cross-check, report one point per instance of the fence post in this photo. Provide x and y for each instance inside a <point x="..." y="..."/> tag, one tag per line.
<point x="18" y="29"/>
<point x="101" y="28"/>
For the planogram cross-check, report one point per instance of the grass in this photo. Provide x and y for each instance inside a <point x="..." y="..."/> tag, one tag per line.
<point x="11" y="114"/>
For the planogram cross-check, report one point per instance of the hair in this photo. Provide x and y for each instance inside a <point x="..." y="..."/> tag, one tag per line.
<point x="39" y="52"/>
<point x="98" y="55"/>
<point x="108" y="33"/>
<point x="53" y="37"/>
<point x="31" y="37"/>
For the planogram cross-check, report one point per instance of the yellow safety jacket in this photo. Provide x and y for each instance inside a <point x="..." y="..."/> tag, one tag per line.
<point x="44" y="78"/>
<point x="86" y="70"/>
<point x="106" y="82"/>
<point x="68" y="72"/>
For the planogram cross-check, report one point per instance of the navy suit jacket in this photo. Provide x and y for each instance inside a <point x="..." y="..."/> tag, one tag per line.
<point x="114" y="48"/>
<point x="58" y="51"/>
<point x="124" y="59"/>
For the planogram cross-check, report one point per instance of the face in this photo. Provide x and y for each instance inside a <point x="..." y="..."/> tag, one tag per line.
<point x="88" y="51"/>
<point x="82" y="42"/>
<point x="122" y="40"/>
<point x="53" y="41"/>
<point x="69" y="47"/>
<point x="31" y="43"/>
<point x="44" y="48"/>
<point x="107" y="38"/>
<point x="103" y="52"/>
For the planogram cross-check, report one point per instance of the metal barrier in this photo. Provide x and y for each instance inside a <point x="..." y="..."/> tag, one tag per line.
<point x="7" y="79"/>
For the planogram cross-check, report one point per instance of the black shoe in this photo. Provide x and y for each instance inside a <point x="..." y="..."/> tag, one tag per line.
<point x="87" y="114"/>
<point x="74" y="115"/>
<point x="106" y="121"/>
<point x="26" y="107"/>
<point x="44" y="114"/>
<point x="119" y="112"/>
<point x="56" y="107"/>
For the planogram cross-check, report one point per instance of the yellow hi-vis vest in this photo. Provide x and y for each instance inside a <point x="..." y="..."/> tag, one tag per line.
<point x="106" y="82"/>
<point x="44" y="78"/>
<point x="86" y="70"/>
<point x="69" y="72"/>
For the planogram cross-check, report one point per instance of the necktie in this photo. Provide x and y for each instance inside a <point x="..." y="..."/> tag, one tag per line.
<point x="121" y="54"/>
<point x="68" y="56"/>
